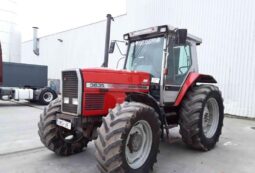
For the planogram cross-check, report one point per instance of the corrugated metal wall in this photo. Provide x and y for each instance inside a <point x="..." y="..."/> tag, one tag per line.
<point x="228" y="31"/>
<point x="227" y="28"/>
<point x="9" y="35"/>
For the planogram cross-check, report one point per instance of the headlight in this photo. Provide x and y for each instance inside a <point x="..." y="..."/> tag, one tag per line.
<point x="66" y="100"/>
<point x="75" y="101"/>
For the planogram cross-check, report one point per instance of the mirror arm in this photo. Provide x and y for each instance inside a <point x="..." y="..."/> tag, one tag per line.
<point x="119" y="62"/>
<point x="119" y="48"/>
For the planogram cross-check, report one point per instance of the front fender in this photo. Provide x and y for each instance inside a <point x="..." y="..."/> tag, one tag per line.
<point x="143" y="98"/>
<point x="148" y="100"/>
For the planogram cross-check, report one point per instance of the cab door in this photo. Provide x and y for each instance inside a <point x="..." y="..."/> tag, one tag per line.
<point x="178" y="65"/>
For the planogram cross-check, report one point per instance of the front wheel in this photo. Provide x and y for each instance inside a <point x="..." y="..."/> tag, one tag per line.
<point x="60" y="140"/>
<point x="201" y="117"/>
<point x="128" y="139"/>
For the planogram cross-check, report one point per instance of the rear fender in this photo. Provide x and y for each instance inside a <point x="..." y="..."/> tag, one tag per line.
<point x="192" y="79"/>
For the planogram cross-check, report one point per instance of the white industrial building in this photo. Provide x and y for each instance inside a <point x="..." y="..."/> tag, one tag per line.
<point x="227" y="28"/>
<point x="9" y="35"/>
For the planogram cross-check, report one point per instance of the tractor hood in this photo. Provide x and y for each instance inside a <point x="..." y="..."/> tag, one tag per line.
<point x="110" y="79"/>
<point x="103" y="88"/>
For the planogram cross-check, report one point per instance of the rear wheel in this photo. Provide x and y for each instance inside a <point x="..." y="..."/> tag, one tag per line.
<point x="60" y="140"/>
<point x="46" y="96"/>
<point x="201" y="117"/>
<point x="128" y="139"/>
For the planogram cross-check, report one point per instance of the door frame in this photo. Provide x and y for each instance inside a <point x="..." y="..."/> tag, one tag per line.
<point x="169" y="92"/>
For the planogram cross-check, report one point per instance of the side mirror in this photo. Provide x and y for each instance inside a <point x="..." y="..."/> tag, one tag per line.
<point x="112" y="46"/>
<point x="181" y="36"/>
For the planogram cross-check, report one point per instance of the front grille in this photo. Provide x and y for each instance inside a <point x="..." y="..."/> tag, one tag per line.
<point x="94" y="101"/>
<point x="70" y="91"/>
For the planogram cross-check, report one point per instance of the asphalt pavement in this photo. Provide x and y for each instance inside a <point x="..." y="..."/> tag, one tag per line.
<point x="21" y="149"/>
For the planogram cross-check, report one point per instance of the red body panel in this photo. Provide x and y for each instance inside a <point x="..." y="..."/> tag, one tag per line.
<point x="191" y="79"/>
<point x="120" y="79"/>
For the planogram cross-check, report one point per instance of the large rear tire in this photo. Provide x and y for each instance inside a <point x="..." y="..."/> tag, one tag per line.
<point x="128" y="139"/>
<point x="61" y="141"/>
<point x="201" y="117"/>
<point x="47" y="95"/>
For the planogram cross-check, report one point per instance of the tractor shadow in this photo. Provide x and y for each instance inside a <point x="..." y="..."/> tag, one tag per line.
<point x="173" y="158"/>
<point x="84" y="162"/>
<point x="173" y="154"/>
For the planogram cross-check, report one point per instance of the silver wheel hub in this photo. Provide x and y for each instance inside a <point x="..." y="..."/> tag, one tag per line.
<point x="48" y="97"/>
<point x="210" y="119"/>
<point x="135" y="142"/>
<point x="138" y="144"/>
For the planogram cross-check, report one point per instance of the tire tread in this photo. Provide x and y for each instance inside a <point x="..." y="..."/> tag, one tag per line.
<point x="190" y="115"/>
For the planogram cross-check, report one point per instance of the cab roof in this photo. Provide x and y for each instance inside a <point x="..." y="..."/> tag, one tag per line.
<point x="159" y="30"/>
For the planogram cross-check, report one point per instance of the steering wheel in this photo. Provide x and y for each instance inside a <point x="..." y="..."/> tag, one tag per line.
<point x="179" y="69"/>
<point x="138" y="61"/>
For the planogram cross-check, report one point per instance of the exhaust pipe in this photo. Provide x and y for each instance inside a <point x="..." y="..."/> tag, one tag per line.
<point x="35" y="41"/>
<point x="107" y="40"/>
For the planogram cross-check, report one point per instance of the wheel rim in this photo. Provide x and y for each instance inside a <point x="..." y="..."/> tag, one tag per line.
<point x="138" y="144"/>
<point x="211" y="116"/>
<point x="48" y="97"/>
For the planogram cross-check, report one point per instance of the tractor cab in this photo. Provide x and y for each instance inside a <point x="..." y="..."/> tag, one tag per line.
<point x="168" y="54"/>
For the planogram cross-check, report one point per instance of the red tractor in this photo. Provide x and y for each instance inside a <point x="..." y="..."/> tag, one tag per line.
<point x="127" y="111"/>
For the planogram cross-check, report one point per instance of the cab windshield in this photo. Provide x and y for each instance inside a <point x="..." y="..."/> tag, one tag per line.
<point x="146" y="56"/>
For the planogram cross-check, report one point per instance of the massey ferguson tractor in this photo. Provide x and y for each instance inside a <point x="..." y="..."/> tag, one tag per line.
<point x="127" y="112"/>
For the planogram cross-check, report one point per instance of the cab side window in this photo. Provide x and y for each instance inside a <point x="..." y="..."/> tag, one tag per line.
<point x="183" y="58"/>
<point x="179" y="62"/>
